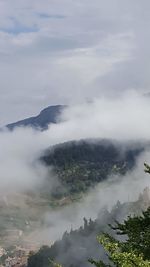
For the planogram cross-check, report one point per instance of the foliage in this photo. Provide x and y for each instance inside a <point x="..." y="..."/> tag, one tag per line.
<point x="135" y="250"/>
<point x="81" y="165"/>
<point x="131" y="246"/>
<point x="76" y="247"/>
<point x="118" y="257"/>
<point x="137" y="229"/>
<point x="54" y="264"/>
<point x="147" y="168"/>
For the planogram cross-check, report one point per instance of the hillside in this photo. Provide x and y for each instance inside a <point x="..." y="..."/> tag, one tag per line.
<point x="78" y="166"/>
<point x="46" y="116"/>
<point x="76" y="247"/>
<point x="83" y="164"/>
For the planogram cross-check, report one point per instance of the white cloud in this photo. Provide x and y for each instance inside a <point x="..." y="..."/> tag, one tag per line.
<point x="105" y="195"/>
<point x="66" y="51"/>
<point x="124" y="118"/>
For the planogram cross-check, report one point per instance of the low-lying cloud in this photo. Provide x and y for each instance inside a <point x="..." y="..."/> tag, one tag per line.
<point x="117" y="188"/>
<point x="124" y="118"/>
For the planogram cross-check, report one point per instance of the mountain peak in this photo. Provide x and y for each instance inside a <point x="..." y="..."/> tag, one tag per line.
<point x="42" y="120"/>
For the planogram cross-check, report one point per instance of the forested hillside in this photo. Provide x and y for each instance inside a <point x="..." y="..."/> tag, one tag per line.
<point x="81" y="165"/>
<point x="76" y="247"/>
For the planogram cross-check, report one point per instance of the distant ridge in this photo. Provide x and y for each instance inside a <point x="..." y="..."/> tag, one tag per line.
<point x="46" y="116"/>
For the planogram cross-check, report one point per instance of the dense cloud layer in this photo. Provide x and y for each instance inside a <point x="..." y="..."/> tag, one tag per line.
<point x="123" y="118"/>
<point x="94" y="53"/>
<point x="119" y="188"/>
<point x="67" y="51"/>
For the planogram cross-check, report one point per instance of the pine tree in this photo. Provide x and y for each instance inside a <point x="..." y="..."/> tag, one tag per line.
<point x="135" y="250"/>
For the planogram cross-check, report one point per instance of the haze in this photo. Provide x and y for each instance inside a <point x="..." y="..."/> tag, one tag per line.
<point x="63" y="52"/>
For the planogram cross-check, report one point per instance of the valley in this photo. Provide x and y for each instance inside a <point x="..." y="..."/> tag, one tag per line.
<point x="78" y="167"/>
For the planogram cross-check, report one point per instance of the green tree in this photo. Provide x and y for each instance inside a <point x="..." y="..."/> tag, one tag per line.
<point x="119" y="257"/>
<point x="135" y="249"/>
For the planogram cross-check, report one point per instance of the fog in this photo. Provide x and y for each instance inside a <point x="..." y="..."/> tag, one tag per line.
<point x="125" y="118"/>
<point x="123" y="188"/>
<point x="122" y="118"/>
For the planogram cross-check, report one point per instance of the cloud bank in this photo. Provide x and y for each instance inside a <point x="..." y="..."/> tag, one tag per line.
<point x="124" y="119"/>
<point x="105" y="195"/>
<point x="54" y="52"/>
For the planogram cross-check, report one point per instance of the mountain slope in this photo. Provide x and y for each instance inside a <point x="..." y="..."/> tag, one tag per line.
<point x="81" y="165"/>
<point x="78" y="167"/>
<point x="76" y="247"/>
<point x="46" y="116"/>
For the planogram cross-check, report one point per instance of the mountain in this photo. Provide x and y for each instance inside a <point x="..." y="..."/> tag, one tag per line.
<point x="46" y="116"/>
<point x="76" y="167"/>
<point x="82" y="164"/>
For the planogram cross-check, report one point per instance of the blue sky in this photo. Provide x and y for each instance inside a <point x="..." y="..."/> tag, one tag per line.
<point x="63" y="51"/>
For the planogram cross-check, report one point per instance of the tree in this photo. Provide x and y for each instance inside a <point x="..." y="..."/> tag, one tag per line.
<point x="135" y="250"/>
<point x="147" y="168"/>
<point x="119" y="257"/>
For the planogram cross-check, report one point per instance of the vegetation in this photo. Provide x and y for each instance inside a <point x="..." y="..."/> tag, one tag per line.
<point x="119" y="258"/>
<point x="135" y="250"/>
<point x="131" y="246"/>
<point x="81" y="165"/>
<point x="76" y="247"/>
<point x="127" y="244"/>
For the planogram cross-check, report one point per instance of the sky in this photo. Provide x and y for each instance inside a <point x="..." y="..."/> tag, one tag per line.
<point x="69" y="52"/>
